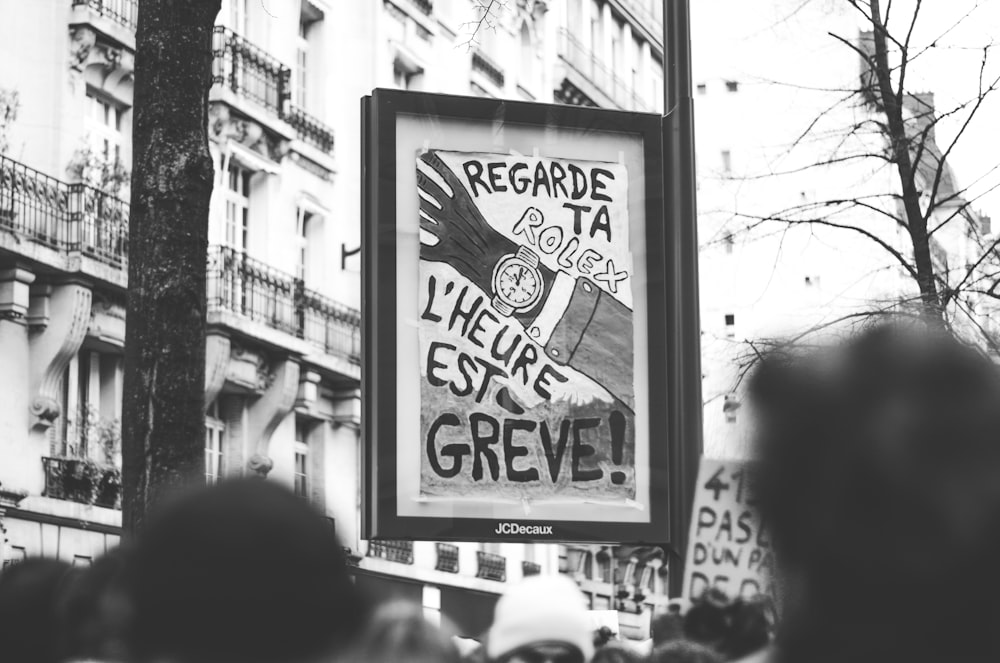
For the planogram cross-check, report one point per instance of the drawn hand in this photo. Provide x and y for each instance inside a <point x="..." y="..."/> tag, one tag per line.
<point x="464" y="239"/>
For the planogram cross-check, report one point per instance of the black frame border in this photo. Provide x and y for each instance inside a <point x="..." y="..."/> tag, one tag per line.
<point x="378" y="385"/>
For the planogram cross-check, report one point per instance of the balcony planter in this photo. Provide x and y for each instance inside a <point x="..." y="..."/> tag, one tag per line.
<point x="109" y="489"/>
<point x="80" y="480"/>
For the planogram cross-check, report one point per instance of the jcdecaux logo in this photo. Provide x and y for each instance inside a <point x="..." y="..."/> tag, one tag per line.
<point x="516" y="528"/>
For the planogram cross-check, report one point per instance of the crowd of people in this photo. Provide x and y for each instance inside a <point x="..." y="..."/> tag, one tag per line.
<point x="245" y="572"/>
<point x="878" y="476"/>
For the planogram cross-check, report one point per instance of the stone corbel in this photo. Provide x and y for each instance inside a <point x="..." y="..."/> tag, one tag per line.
<point x="217" y="350"/>
<point x="15" y="285"/>
<point x="52" y="348"/>
<point x="347" y="409"/>
<point x="269" y="410"/>
<point x="87" y="48"/>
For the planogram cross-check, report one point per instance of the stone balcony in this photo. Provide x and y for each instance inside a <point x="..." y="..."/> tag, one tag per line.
<point x="69" y="226"/>
<point x="256" y="292"/>
<point x="589" y="82"/>
<point x="77" y="228"/>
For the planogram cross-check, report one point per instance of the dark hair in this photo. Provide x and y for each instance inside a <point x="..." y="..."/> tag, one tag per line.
<point x="399" y="631"/>
<point x="243" y="571"/>
<point x="879" y="482"/>
<point x="684" y="651"/>
<point x="30" y="593"/>
<point x="666" y="627"/>
<point x="615" y="652"/>
<point x="94" y="611"/>
<point x="733" y="628"/>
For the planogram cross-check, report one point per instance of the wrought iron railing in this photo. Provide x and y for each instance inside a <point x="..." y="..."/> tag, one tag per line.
<point x="83" y="481"/>
<point x="394" y="551"/>
<point x="488" y="68"/>
<point x="329" y="325"/>
<point x="491" y="566"/>
<point x="310" y="129"/>
<point x="249" y="71"/>
<point x="251" y="289"/>
<point x="69" y="217"/>
<point x="33" y="204"/>
<point x="590" y="66"/>
<point x="100" y="223"/>
<point x="123" y="12"/>
<point x="447" y="558"/>
<point x="259" y="292"/>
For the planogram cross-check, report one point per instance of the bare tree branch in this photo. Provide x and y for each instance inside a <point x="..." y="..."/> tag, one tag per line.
<point x="489" y="11"/>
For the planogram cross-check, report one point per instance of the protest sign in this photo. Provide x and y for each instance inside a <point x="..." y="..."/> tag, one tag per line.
<point x="525" y="327"/>
<point x="727" y="547"/>
<point x="514" y="276"/>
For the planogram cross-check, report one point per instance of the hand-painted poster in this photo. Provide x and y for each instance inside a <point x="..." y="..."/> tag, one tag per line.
<point x="525" y="327"/>
<point x="727" y="548"/>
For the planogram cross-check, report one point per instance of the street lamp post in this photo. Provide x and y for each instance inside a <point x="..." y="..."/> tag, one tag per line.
<point x="681" y="251"/>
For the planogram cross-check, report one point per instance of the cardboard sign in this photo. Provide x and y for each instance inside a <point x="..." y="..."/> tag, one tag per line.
<point x="727" y="547"/>
<point x="526" y="328"/>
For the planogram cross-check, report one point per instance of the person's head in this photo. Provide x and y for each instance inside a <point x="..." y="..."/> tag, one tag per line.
<point x="734" y="628"/>
<point x="543" y="619"/>
<point x="616" y="652"/>
<point x="684" y="651"/>
<point x="95" y="610"/>
<point x="666" y="627"/>
<point x="879" y="484"/>
<point x="400" y="632"/>
<point x="30" y="595"/>
<point x="244" y="572"/>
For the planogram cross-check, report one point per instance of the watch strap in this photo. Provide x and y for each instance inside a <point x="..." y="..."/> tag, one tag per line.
<point x="502" y="308"/>
<point x="527" y="255"/>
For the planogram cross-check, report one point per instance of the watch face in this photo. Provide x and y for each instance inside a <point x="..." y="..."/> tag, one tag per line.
<point x="517" y="284"/>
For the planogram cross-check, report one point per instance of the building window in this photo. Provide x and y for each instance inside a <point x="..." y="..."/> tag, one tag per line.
<point x="237" y="207"/>
<point x="527" y="58"/>
<point x="215" y="432"/>
<point x="301" y="459"/>
<point x="104" y="128"/>
<point x="702" y="88"/>
<point x="82" y="560"/>
<point x="305" y="223"/>
<point x="239" y="17"/>
<point x="530" y="568"/>
<point x="302" y="64"/>
<point x="727" y="163"/>
<point x="447" y="558"/>
<point x="732" y="86"/>
<point x="91" y="401"/>
<point x="730" y="325"/>
<point x="491" y="566"/>
<point x="394" y="551"/>
<point x="604" y="559"/>
<point x="730" y="407"/>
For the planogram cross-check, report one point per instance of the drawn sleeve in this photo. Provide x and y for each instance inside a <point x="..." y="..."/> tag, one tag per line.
<point x="587" y="329"/>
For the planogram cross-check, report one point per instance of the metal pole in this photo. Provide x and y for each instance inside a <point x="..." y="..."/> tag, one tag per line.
<point x="681" y="252"/>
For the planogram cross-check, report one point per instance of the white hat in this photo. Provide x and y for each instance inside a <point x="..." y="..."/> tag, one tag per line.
<point x="541" y="609"/>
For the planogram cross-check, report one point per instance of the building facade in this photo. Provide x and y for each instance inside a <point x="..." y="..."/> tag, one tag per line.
<point x="783" y="141"/>
<point x="283" y="348"/>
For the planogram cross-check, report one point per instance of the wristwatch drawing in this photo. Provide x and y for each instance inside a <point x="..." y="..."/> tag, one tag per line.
<point x="517" y="282"/>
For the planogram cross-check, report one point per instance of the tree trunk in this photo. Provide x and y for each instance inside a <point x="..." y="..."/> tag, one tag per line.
<point x="931" y="305"/>
<point x="163" y="415"/>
